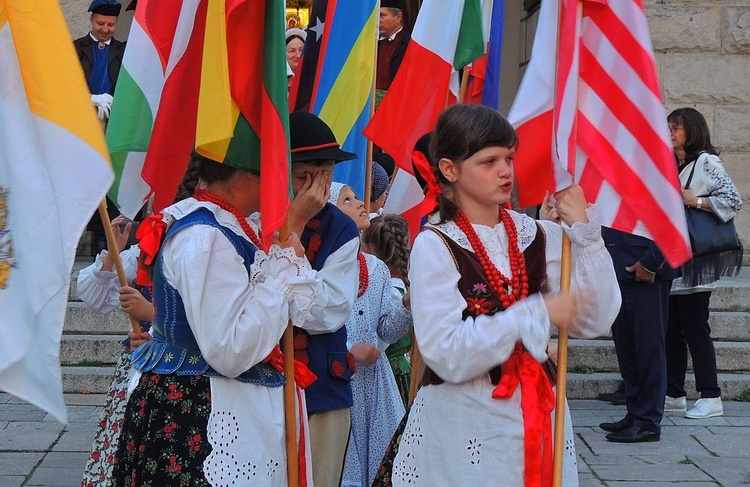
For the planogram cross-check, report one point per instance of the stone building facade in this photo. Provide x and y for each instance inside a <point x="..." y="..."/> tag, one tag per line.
<point x="702" y="52"/>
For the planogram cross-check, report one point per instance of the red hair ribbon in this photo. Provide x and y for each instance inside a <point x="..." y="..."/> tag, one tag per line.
<point x="537" y="402"/>
<point x="302" y="375"/>
<point x="433" y="188"/>
<point x="150" y="234"/>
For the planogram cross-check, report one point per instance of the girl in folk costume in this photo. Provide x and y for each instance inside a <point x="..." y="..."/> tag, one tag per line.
<point x="208" y="409"/>
<point x="387" y="238"/>
<point x="482" y="281"/>
<point x="99" y="288"/>
<point x="378" y="319"/>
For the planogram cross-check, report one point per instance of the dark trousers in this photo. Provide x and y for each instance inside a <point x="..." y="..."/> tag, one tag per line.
<point x="688" y="328"/>
<point x="639" y="340"/>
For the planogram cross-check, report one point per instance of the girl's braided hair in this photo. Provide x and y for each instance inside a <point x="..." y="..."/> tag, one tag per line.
<point x="388" y="238"/>
<point x="199" y="169"/>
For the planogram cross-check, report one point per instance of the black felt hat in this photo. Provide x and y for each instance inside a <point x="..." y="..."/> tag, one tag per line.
<point x="105" y="7"/>
<point x="399" y="4"/>
<point x="312" y="139"/>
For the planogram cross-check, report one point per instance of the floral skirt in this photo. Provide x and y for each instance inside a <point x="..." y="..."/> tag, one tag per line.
<point x="98" y="471"/>
<point x="164" y="435"/>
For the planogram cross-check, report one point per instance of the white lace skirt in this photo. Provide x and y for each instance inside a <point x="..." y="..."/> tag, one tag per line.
<point x="457" y="434"/>
<point x="246" y="432"/>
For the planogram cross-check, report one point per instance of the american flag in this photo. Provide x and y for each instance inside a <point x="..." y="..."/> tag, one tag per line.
<point x="597" y="102"/>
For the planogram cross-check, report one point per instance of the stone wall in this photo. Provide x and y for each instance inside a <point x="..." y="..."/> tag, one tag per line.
<point x="703" y="56"/>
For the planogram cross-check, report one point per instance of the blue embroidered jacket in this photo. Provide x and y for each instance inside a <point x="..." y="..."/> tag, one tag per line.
<point x="327" y="232"/>
<point x="174" y="349"/>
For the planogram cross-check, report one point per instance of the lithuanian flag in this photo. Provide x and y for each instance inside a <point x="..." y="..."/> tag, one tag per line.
<point x="54" y="171"/>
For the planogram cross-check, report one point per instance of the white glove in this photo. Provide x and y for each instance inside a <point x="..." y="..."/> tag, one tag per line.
<point x="103" y="103"/>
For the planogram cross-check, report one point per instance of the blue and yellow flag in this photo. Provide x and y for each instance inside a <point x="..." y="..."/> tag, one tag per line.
<point x="336" y="82"/>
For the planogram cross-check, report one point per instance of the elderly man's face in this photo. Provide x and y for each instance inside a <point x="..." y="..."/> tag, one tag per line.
<point x="390" y="21"/>
<point x="103" y="26"/>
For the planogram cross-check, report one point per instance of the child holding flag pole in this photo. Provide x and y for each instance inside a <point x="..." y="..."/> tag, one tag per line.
<point x="484" y="297"/>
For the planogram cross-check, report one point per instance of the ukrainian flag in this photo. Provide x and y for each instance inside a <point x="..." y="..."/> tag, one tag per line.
<point x="345" y="82"/>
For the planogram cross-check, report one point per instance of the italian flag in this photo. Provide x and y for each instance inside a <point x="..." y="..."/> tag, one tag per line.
<point x="54" y="172"/>
<point x="421" y="89"/>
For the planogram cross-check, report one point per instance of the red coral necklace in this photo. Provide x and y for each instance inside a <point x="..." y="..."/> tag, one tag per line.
<point x="509" y="290"/>
<point x="203" y="195"/>
<point x="364" y="276"/>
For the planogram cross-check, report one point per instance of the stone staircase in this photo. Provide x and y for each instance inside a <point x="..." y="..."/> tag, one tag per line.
<point x="91" y="345"/>
<point x="592" y="364"/>
<point x="91" y="342"/>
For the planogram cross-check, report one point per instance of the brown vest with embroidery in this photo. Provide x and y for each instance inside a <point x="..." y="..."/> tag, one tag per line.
<point x="481" y="299"/>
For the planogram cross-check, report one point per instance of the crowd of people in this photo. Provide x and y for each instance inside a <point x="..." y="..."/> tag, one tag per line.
<point x="197" y="394"/>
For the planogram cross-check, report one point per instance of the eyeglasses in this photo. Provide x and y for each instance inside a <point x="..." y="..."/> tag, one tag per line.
<point x="674" y="127"/>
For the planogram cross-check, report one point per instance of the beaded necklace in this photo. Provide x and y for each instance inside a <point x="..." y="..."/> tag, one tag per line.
<point x="509" y="290"/>
<point x="364" y="276"/>
<point x="203" y="195"/>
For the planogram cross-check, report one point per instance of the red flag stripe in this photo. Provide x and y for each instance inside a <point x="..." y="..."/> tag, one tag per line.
<point x="628" y="113"/>
<point x="628" y="34"/>
<point x="173" y="135"/>
<point x="330" y="12"/>
<point x="631" y="187"/>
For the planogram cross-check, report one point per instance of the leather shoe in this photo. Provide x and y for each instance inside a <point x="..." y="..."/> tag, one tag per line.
<point x="633" y="434"/>
<point x="616" y="397"/>
<point x="621" y="425"/>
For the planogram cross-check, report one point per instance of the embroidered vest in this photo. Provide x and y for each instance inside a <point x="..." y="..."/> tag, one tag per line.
<point x="326" y="354"/>
<point x="481" y="299"/>
<point x="174" y="349"/>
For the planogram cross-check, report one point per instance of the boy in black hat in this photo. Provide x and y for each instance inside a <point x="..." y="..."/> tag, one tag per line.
<point x="331" y="240"/>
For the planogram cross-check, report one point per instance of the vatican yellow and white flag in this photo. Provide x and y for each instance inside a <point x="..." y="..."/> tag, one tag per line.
<point x="54" y="171"/>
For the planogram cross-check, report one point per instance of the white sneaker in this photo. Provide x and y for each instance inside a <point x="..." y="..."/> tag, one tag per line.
<point x="675" y="404"/>
<point x="707" y="407"/>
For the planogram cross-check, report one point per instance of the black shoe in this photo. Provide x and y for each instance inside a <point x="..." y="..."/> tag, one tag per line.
<point x="633" y="434"/>
<point x="617" y="397"/>
<point x="621" y="425"/>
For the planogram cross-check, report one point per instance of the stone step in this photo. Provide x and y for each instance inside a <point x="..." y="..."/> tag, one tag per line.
<point x="94" y="380"/>
<point x="589" y="386"/>
<point x="90" y="349"/>
<point x="732" y="293"/>
<point x="600" y="356"/>
<point x="79" y="318"/>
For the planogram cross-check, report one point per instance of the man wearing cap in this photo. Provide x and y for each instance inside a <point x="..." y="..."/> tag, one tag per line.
<point x="101" y="55"/>
<point x="392" y="42"/>
<point x="331" y="240"/>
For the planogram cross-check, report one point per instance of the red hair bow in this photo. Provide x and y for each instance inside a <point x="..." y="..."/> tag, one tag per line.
<point x="150" y="235"/>
<point x="433" y="188"/>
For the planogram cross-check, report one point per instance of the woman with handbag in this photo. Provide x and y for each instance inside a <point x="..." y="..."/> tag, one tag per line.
<point x="706" y="188"/>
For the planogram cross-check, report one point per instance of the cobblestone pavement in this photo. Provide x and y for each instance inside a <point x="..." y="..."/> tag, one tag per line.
<point x="36" y="450"/>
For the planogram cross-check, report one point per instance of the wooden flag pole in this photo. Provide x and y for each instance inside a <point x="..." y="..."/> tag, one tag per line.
<point x="464" y="85"/>
<point x="290" y="416"/>
<point x="416" y="367"/>
<point x="562" y="369"/>
<point x="114" y="254"/>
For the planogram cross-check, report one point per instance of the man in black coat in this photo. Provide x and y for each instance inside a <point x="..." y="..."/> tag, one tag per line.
<point x="645" y="280"/>
<point x="391" y="43"/>
<point x="101" y="54"/>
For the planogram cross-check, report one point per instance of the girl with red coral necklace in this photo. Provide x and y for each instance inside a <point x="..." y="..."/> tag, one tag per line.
<point x="483" y="295"/>
<point x="208" y="408"/>
<point x="378" y="319"/>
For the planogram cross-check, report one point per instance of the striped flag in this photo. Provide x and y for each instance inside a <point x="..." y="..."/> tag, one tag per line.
<point x="420" y="90"/>
<point x="153" y="96"/>
<point x="602" y="124"/>
<point x="54" y="171"/>
<point x="336" y="78"/>
<point x="191" y="80"/>
<point x="243" y="117"/>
